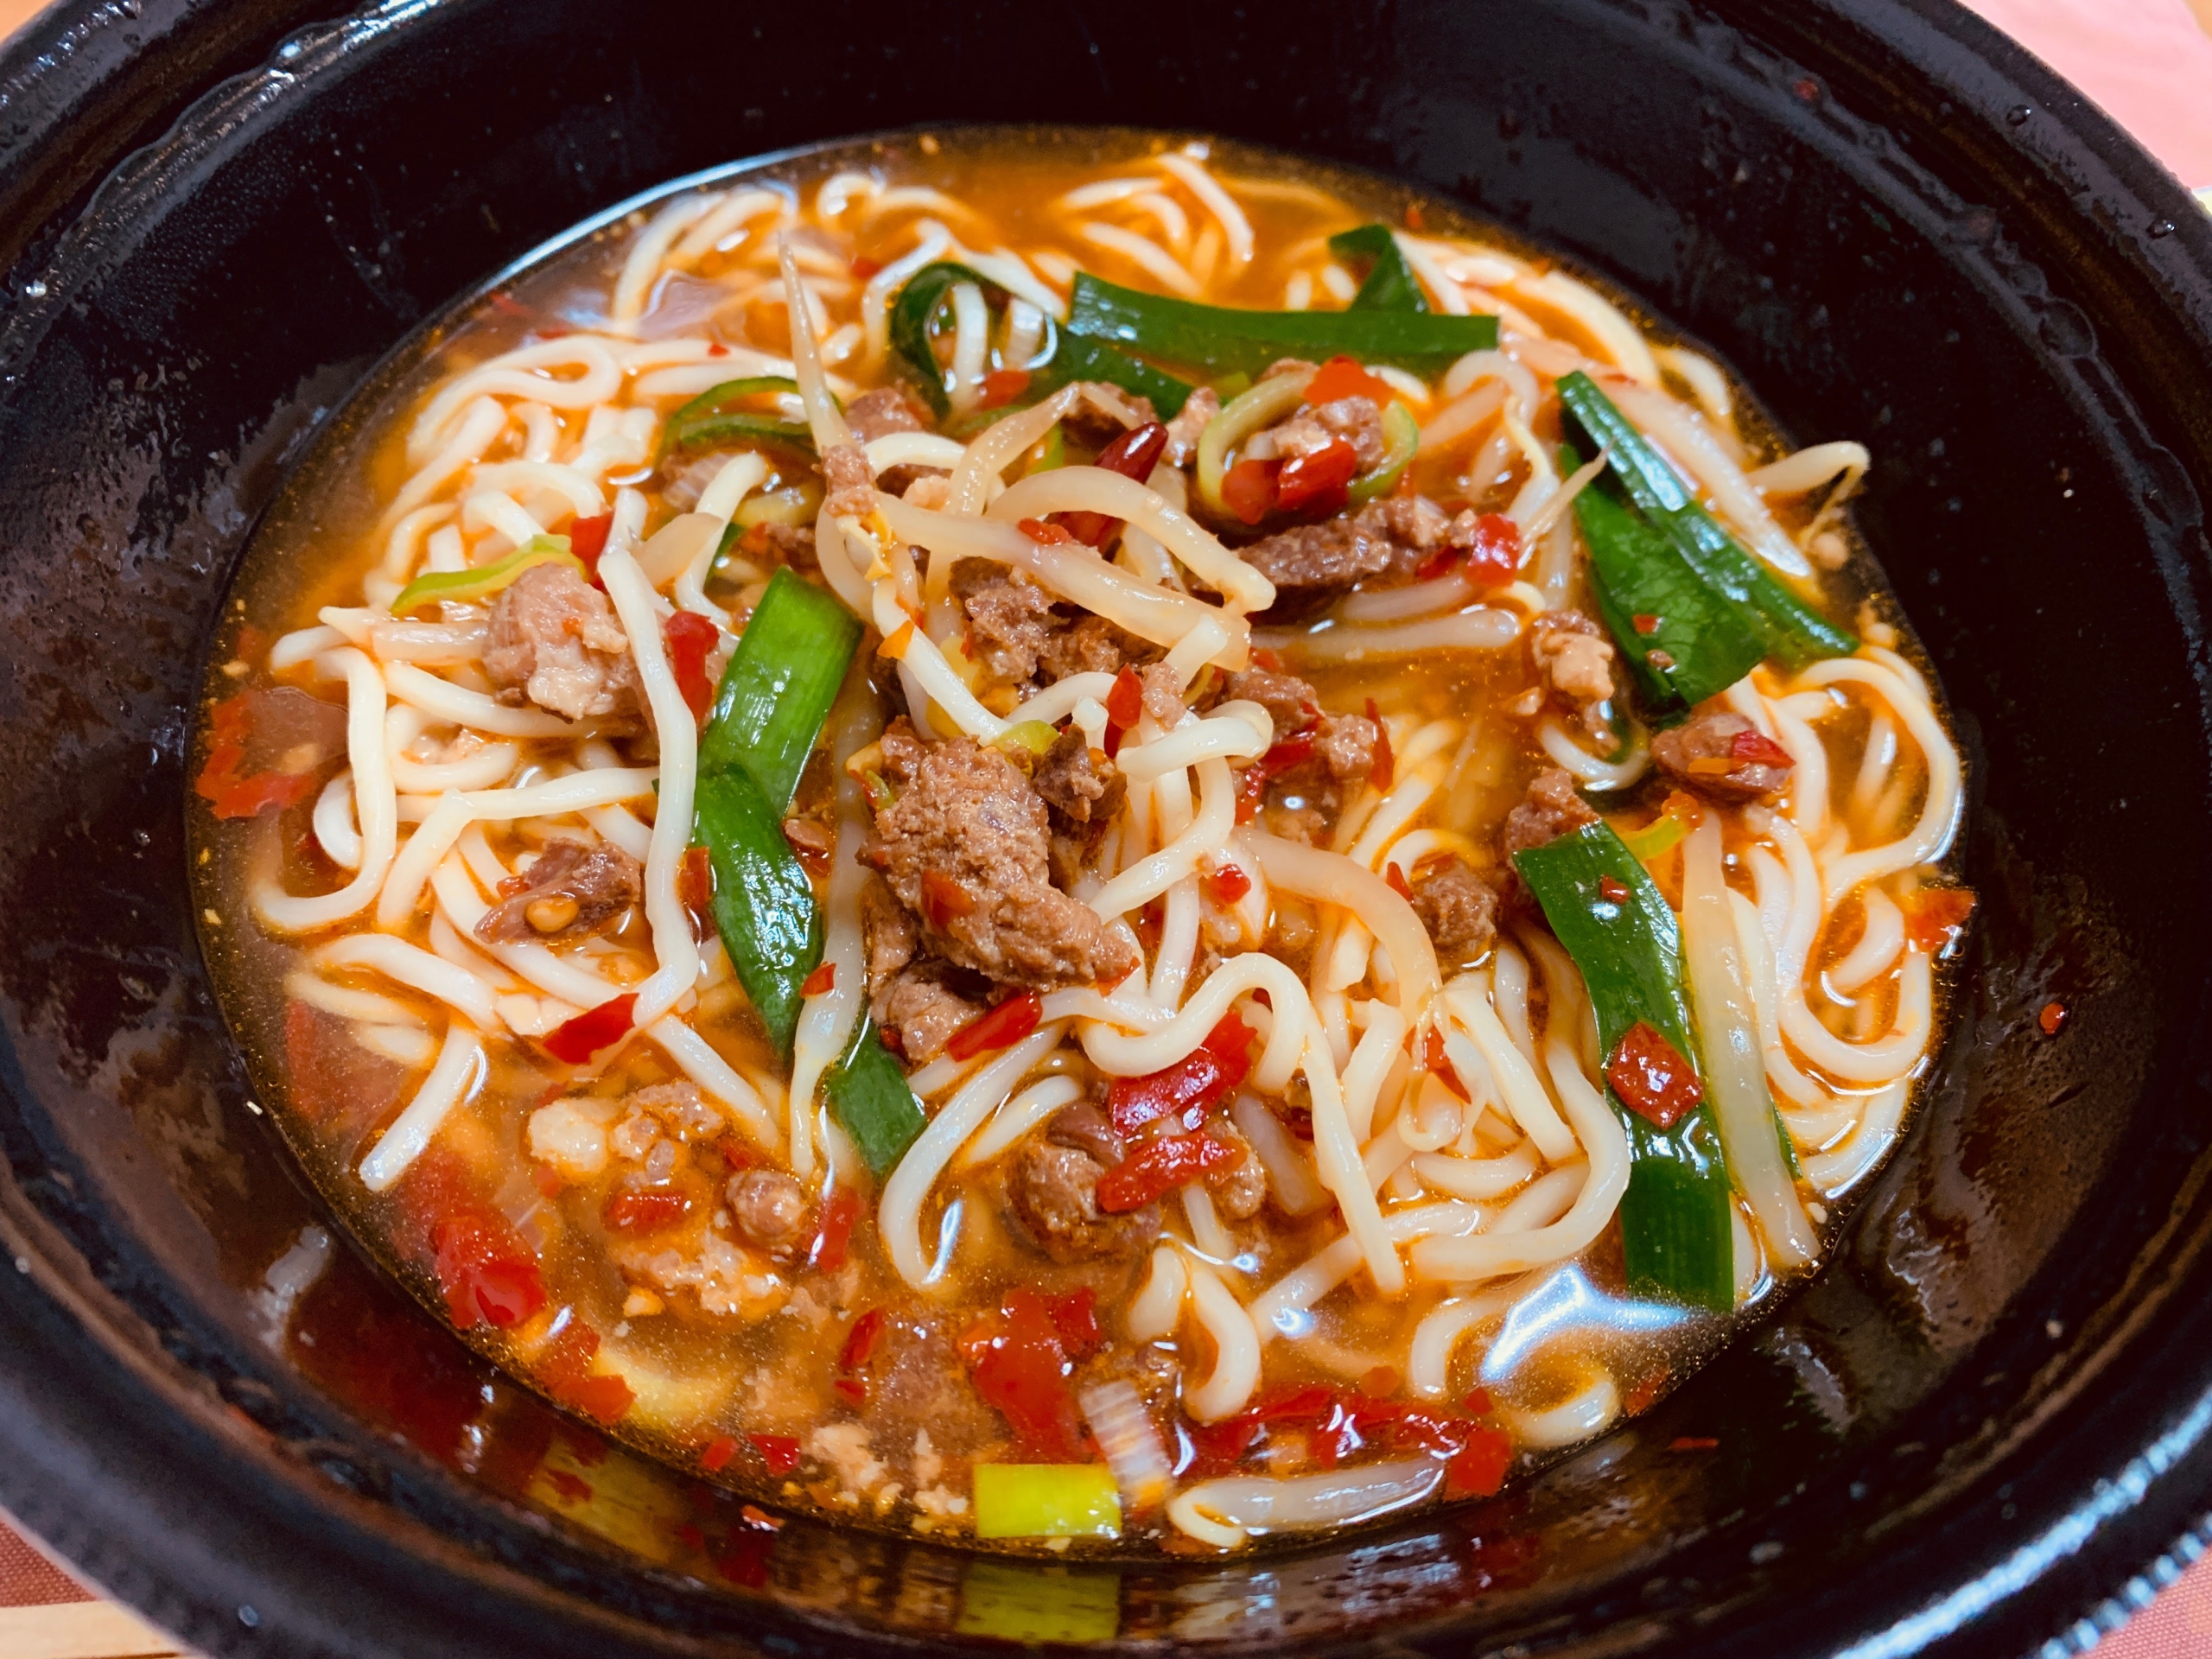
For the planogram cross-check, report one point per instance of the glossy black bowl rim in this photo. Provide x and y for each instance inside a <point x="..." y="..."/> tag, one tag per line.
<point x="139" y="1477"/>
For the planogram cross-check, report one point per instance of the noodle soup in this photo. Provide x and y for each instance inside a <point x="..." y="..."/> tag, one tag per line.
<point x="1090" y="840"/>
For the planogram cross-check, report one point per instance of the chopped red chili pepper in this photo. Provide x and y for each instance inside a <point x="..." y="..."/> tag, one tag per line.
<point x="820" y="982"/>
<point x="1248" y="489"/>
<point x="219" y="784"/>
<point x="1002" y="1027"/>
<point x="1645" y="623"/>
<point x="1612" y="891"/>
<point x="1381" y="1380"/>
<point x="1477" y="1469"/>
<point x="1162" y="1166"/>
<point x="1124" y="705"/>
<point x="1434" y="1057"/>
<point x="2052" y="1019"/>
<point x="1228" y="884"/>
<point x="860" y="1342"/>
<point x="1495" y="558"/>
<point x="719" y="1451"/>
<point x="488" y="1275"/>
<point x="1045" y="535"/>
<point x="1075" y="1316"/>
<point x="566" y="1369"/>
<point x="839" y="1211"/>
<point x="864" y="267"/>
<point x="645" y="1212"/>
<point x="1692" y="1443"/>
<point x="1395" y="880"/>
<point x="1756" y="745"/>
<point x="547" y="1180"/>
<point x="576" y="1041"/>
<point x="694" y="890"/>
<point x="1022" y="1369"/>
<point x="1263" y="658"/>
<point x="1650" y="1076"/>
<point x="778" y="1452"/>
<point x="1935" y="916"/>
<point x="1439" y="563"/>
<point x="1191" y="1085"/>
<point x="758" y="1518"/>
<point x="1003" y="386"/>
<point x="1343" y="377"/>
<point x="1478" y="1403"/>
<point x="1386" y="763"/>
<point x="588" y="540"/>
<point x="1252" y="783"/>
<point x="1133" y="455"/>
<point x="691" y="640"/>
<point x="943" y="899"/>
<point x="1318" y="484"/>
<point x="1645" y="1394"/>
<point x="852" y="1387"/>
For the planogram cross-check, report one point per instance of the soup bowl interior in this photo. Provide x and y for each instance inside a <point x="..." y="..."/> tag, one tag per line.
<point x="1967" y="1432"/>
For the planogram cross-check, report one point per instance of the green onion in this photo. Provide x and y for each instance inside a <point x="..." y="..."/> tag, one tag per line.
<point x="706" y="419"/>
<point x="1060" y="357"/>
<point x="1047" y="1500"/>
<point x="1656" y="837"/>
<point x="1249" y="412"/>
<point x="1789" y="628"/>
<point x="1675" y="1228"/>
<point x="1390" y="284"/>
<point x="778" y="685"/>
<point x="868" y="1093"/>
<point x="1026" y="740"/>
<point x="467" y="586"/>
<point x="1049" y="454"/>
<point x="1401" y="437"/>
<point x="1219" y="338"/>
<point x="764" y="900"/>
<point x="795" y="504"/>
<point x="1700" y="642"/>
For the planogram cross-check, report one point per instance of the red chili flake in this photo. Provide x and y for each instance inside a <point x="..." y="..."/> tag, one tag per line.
<point x="1612" y="891"/>
<point x="716" y="1457"/>
<point x="758" y="1518"/>
<point x="1437" y="1061"/>
<point x="735" y="1157"/>
<point x="489" y="1275"/>
<point x="1495" y="558"/>
<point x="566" y="1371"/>
<point x="1650" y="1077"/>
<point x="1228" y="884"/>
<point x="1162" y="1166"/>
<point x="1692" y="1443"/>
<point x="1125" y="703"/>
<point x="860" y="1342"/>
<point x="1808" y="89"/>
<point x="1003" y="386"/>
<point x="852" y="1388"/>
<point x="863" y="267"/>
<point x="579" y="1038"/>
<point x="1439" y="563"/>
<point x="689" y="1535"/>
<point x="716" y="348"/>
<point x="1252" y="783"/>
<point x="1343" y="377"/>
<point x="820" y="982"/>
<point x="2052" y="1019"/>
<point x="1382" y="1380"/>
<point x="778" y="1452"/>
<point x="588" y="540"/>
<point x="1396" y="878"/>
<point x="645" y="1212"/>
<point x="1645" y="622"/>
<point x="943" y="899"/>
<point x="1935" y="916"/>
<point x="1386" y="763"/>
<point x="1263" y="658"/>
<point x="547" y="1179"/>
<point x="1075" y="1317"/>
<point x="1415" y="219"/>
<point x="1045" y="535"/>
<point x="1317" y="485"/>
<point x="1248" y="489"/>
<point x="1478" y="1404"/>
<point x="1756" y="746"/>
<point x="571" y="1487"/>
<point x="1021" y="1368"/>
<point x="1133" y="455"/>
<point x="839" y="1212"/>
<point x="1001" y="1027"/>
<point x="691" y="640"/>
<point x="1645" y="1394"/>
<point x="889" y="1037"/>
<point x="1188" y="1087"/>
<point x="1477" y="1469"/>
<point x="746" y="1561"/>
<point x="694" y="890"/>
<point x="219" y="783"/>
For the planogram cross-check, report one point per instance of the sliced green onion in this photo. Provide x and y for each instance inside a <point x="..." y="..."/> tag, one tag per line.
<point x="777" y="689"/>
<point x="868" y="1093"/>
<point x="795" y="504"/>
<point x="1390" y="284"/>
<point x="1047" y="1500"/>
<point x="1221" y="338"/>
<point x="1401" y="437"/>
<point x="1676" y="1233"/>
<point x="1653" y="840"/>
<point x="1025" y="739"/>
<point x="1049" y="454"/>
<point x="468" y="587"/>
<point x="1789" y="628"/>
<point x="763" y="900"/>
<point x="706" y="419"/>
<point x="1252" y="411"/>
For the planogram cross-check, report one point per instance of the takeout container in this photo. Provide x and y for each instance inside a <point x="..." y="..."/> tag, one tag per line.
<point x="1983" y="1425"/>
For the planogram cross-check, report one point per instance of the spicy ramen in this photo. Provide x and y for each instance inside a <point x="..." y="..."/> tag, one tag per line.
<point x="1040" y="848"/>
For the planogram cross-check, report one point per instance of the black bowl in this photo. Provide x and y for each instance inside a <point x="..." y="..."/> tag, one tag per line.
<point x="1968" y="1436"/>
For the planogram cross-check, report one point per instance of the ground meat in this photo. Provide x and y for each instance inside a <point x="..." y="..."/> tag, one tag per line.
<point x="1576" y="661"/>
<point x="1053" y="1190"/>
<point x="1290" y="701"/>
<point x="917" y="1381"/>
<point x="791" y="544"/>
<point x="1457" y="908"/>
<point x="1418" y="525"/>
<point x="1355" y="421"/>
<point x="966" y="846"/>
<point x="1551" y="809"/>
<point x="1093" y="645"/>
<point x="1239" y="1193"/>
<point x="1010" y="620"/>
<point x="574" y="890"/>
<point x="892" y="934"/>
<point x="1162" y="692"/>
<point x="1102" y="411"/>
<point x="1201" y="406"/>
<point x="919" y="1003"/>
<point x="920" y="486"/>
<point x="554" y="641"/>
<point x="886" y="409"/>
<point x="1723" y="757"/>
<point x="1344" y="745"/>
<point x="768" y="1206"/>
<point x="1080" y="784"/>
<point x="850" y="481"/>
<point x="1315" y="561"/>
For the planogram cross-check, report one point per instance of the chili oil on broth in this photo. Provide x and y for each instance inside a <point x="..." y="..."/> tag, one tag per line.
<point x="1561" y="1357"/>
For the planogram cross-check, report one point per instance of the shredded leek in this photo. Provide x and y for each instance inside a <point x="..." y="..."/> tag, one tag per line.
<point x="1047" y="1500"/>
<point x="468" y="587"/>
